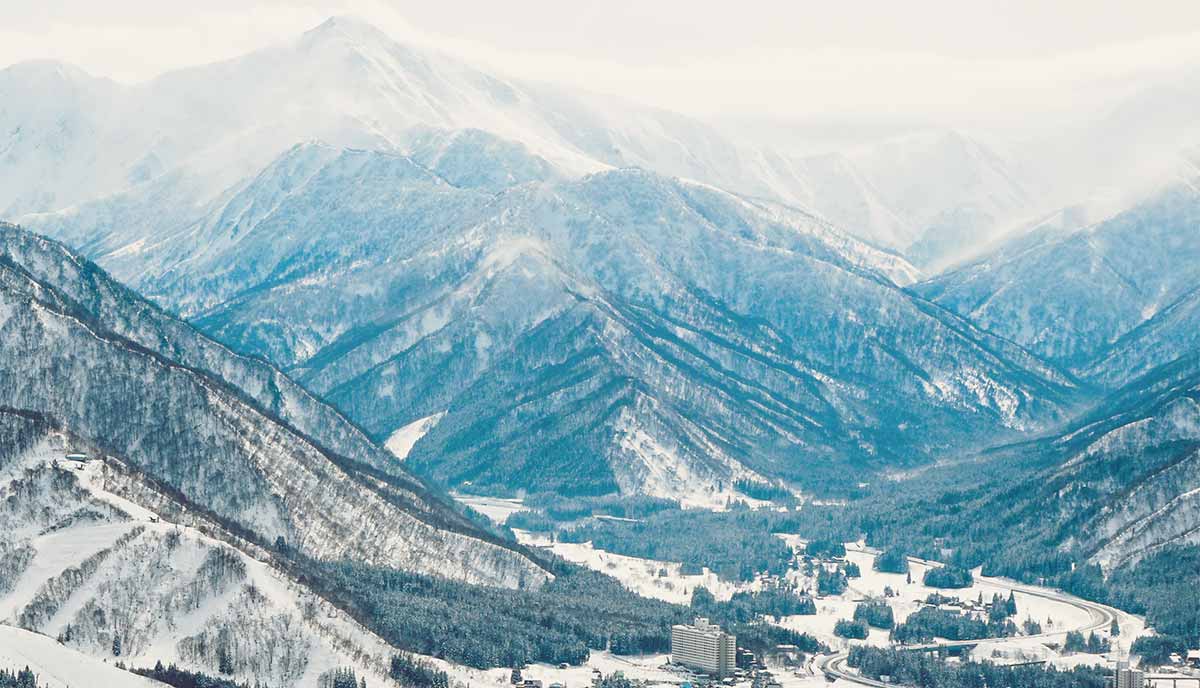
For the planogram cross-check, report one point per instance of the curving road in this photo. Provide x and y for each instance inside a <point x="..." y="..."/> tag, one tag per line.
<point x="1100" y="617"/>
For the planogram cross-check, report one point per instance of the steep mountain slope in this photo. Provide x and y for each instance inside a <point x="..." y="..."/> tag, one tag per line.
<point x="83" y="563"/>
<point x="950" y="193"/>
<point x="1071" y="298"/>
<point x="154" y="153"/>
<point x="209" y="441"/>
<point x="51" y="119"/>
<point x="647" y="325"/>
<point x="1142" y="449"/>
<point x="126" y="314"/>
<point x="1123" y="482"/>
<point x="1172" y="330"/>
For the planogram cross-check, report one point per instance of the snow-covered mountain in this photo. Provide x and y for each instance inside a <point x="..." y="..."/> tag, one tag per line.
<point x="161" y="149"/>
<point x="666" y="336"/>
<point x="1118" y="484"/>
<point x="111" y="368"/>
<point x="937" y="196"/>
<point x="411" y="236"/>
<point x="1112" y="300"/>
<point x="52" y="123"/>
<point x="99" y="563"/>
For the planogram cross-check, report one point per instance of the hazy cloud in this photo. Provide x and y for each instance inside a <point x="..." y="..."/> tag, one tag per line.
<point x="970" y="61"/>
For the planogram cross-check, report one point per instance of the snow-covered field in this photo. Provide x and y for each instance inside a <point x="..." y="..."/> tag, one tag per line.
<point x="1052" y="615"/>
<point x="639" y="575"/>
<point x="496" y="508"/>
<point x="401" y="442"/>
<point x="646" y="667"/>
<point x="61" y="667"/>
<point x="57" y="551"/>
<point x="643" y="577"/>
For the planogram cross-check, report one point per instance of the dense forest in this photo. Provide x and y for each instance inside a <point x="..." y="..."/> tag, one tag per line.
<point x="736" y="544"/>
<point x="845" y="628"/>
<point x="831" y="581"/>
<point x="767" y="492"/>
<point x="415" y="673"/>
<point x="924" y="671"/>
<point x="892" y="560"/>
<point x="579" y="611"/>
<point x="487" y="627"/>
<point x="875" y="612"/>
<point x="825" y="548"/>
<point x="744" y="607"/>
<point x="927" y="623"/>
<point x="948" y="577"/>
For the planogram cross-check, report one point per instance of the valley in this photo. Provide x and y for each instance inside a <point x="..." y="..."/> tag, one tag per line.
<point x="1056" y="612"/>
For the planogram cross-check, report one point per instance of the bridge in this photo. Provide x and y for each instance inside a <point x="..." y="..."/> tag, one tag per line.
<point x="1157" y="679"/>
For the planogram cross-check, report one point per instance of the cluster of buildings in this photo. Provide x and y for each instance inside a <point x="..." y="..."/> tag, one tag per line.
<point x="1191" y="659"/>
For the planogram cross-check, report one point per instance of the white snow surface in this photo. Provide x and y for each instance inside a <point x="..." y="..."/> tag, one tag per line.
<point x="402" y="440"/>
<point x="62" y="667"/>
<point x="162" y="592"/>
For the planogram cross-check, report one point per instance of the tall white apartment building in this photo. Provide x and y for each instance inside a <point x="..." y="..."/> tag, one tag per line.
<point x="1129" y="678"/>
<point x="704" y="647"/>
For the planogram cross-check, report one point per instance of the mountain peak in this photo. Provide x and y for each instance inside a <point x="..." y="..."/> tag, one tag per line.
<point x="47" y="71"/>
<point x="347" y="27"/>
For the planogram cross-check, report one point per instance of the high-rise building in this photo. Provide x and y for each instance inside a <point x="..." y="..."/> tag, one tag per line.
<point x="705" y="647"/>
<point x="1129" y="678"/>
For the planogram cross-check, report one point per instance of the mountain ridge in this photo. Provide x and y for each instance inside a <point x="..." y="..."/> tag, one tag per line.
<point x="248" y="490"/>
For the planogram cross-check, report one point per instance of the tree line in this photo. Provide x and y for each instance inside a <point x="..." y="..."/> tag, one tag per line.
<point x="561" y="622"/>
<point x="924" y="671"/>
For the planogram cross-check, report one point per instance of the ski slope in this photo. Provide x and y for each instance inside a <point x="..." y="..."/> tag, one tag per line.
<point x="57" y="666"/>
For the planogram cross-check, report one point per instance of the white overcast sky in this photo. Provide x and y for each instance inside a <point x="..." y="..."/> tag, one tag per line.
<point x="778" y="59"/>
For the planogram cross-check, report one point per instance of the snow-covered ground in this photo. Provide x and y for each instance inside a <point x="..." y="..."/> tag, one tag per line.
<point x="643" y="577"/>
<point x="143" y="576"/>
<point x="56" y="552"/>
<point x="640" y="575"/>
<point x="401" y="442"/>
<point x="644" y="667"/>
<point x="61" y="667"/>
<point x="496" y="508"/>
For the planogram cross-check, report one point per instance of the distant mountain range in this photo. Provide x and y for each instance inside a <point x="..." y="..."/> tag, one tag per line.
<point x="699" y="337"/>
<point x="1110" y="301"/>
<point x="527" y="288"/>
<point x="189" y="135"/>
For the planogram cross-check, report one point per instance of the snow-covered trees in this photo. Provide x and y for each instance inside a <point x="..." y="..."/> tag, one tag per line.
<point x="892" y="560"/>
<point x="947" y="577"/>
<point x="875" y="612"/>
<point x="844" y="628"/>
<point x="25" y="678"/>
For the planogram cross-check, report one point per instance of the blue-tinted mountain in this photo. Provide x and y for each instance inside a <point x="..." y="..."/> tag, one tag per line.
<point x="114" y="369"/>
